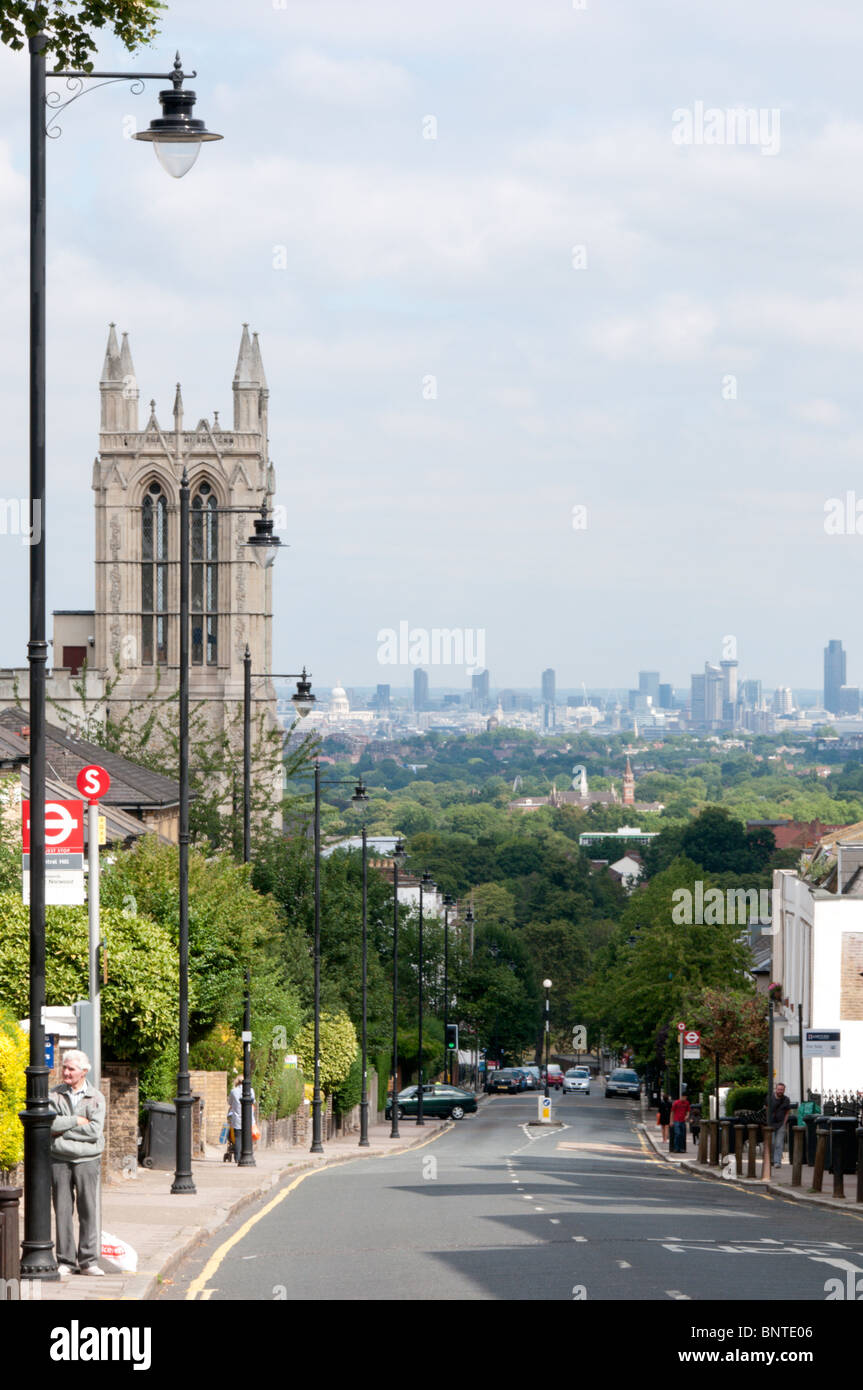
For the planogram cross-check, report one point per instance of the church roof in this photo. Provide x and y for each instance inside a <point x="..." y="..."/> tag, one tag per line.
<point x="132" y="786"/>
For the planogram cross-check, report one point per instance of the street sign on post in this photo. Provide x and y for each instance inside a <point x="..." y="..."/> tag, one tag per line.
<point x="821" y="1042"/>
<point x="64" y="852"/>
<point x="93" y="782"/>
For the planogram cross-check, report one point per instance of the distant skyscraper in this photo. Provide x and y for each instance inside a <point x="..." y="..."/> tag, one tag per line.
<point x="648" y="684"/>
<point x="479" y="690"/>
<point x="783" y="700"/>
<point x="382" y="698"/>
<point x="706" y="696"/>
<point x="549" y="698"/>
<point x="750" y="694"/>
<point x="834" y="675"/>
<point x="849" y="700"/>
<point x="421" y="690"/>
<point x="666" y="697"/>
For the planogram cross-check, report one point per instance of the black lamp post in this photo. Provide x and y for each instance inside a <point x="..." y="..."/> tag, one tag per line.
<point x="398" y="856"/>
<point x="247" y="1152"/>
<point x="359" y="798"/>
<point x="546" y="984"/>
<point x="448" y="903"/>
<point x="37" y="1251"/>
<point x="469" y="921"/>
<point x="303" y="701"/>
<point x="425" y="883"/>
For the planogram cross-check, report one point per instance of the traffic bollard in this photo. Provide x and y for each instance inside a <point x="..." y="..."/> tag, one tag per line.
<point x="820" y="1155"/>
<point x="766" y="1140"/>
<point x="703" y="1134"/>
<point x="838" y="1156"/>
<point x="738" y="1149"/>
<point x="753" y="1151"/>
<point x="713" y="1141"/>
<point x="797" y="1137"/>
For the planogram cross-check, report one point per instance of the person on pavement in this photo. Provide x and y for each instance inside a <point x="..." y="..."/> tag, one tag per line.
<point x="77" y="1142"/>
<point x="679" y="1116"/>
<point x="664" y="1114"/>
<point x="235" y="1113"/>
<point x="780" y="1107"/>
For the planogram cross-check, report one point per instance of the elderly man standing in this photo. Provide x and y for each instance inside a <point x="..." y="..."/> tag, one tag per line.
<point x="77" y="1141"/>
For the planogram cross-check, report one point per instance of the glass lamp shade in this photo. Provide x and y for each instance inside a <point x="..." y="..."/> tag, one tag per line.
<point x="177" y="156"/>
<point x="303" y="700"/>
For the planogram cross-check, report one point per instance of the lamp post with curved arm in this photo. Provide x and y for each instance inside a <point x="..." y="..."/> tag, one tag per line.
<point x="425" y="884"/>
<point x="398" y="856"/>
<point x="177" y="137"/>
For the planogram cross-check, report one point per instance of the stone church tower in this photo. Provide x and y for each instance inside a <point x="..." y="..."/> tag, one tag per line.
<point x="134" y="633"/>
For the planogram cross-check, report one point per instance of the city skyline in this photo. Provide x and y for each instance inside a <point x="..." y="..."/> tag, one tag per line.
<point x="486" y="397"/>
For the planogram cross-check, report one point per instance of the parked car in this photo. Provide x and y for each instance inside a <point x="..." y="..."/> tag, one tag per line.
<point x="577" y="1079"/>
<point x="509" y="1079"/>
<point x="530" y="1080"/>
<point x="439" y="1101"/>
<point x="555" y="1076"/>
<point x="622" y="1082"/>
<point x="535" y="1072"/>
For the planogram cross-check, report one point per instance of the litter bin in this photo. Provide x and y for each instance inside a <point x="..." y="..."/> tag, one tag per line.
<point x="159" y="1149"/>
<point x="848" y="1125"/>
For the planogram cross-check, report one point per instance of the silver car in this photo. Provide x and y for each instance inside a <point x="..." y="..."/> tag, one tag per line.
<point x="577" y="1079"/>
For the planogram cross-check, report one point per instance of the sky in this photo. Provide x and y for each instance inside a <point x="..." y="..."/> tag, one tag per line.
<point x="558" y="352"/>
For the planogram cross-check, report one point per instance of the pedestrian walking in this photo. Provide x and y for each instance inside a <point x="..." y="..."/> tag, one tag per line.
<point x="663" y="1115"/>
<point x="679" y="1116"/>
<point x="235" y="1113"/>
<point x="780" y="1107"/>
<point x="77" y="1142"/>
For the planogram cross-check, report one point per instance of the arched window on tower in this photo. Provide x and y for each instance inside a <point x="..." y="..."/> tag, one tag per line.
<point x="154" y="577"/>
<point x="205" y="577"/>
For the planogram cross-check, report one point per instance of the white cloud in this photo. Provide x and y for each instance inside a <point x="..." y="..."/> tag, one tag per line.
<point x="344" y="81"/>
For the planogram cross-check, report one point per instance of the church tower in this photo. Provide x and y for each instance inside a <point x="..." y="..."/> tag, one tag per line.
<point x="628" y="786"/>
<point x="136" y="484"/>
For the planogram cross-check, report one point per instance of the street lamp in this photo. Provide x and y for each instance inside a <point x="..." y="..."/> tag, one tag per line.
<point x="448" y="903"/>
<point x="546" y="984"/>
<point x="469" y="921"/>
<point x="359" y="798"/>
<point x="183" y="1180"/>
<point x="303" y="701"/>
<point x="398" y="857"/>
<point x="37" y="1251"/>
<point x="425" y="883"/>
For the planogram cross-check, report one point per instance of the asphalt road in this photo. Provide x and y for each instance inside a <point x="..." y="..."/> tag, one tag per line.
<point x="493" y="1209"/>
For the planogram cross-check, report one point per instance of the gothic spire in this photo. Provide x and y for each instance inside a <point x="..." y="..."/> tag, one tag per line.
<point x="178" y="409"/>
<point x="245" y="372"/>
<point x="257" y="361"/>
<point x="111" y="368"/>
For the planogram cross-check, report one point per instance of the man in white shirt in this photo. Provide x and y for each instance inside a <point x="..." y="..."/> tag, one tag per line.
<point x="235" y="1113"/>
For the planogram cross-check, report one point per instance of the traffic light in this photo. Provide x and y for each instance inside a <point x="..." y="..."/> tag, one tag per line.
<point x="452" y="1037"/>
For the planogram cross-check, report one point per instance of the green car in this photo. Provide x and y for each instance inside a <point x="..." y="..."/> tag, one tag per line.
<point x="447" y="1102"/>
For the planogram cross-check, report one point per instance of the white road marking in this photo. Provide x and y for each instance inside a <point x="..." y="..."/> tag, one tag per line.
<point x="624" y="1264"/>
<point x="555" y="1221"/>
<point x="581" y="1238"/>
<point x="681" y="1297"/>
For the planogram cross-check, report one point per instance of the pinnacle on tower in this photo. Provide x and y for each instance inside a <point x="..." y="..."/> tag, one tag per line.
<point x="178" y="410"/>
<point x="119" y="387"/>
<point x="249" y="385"/>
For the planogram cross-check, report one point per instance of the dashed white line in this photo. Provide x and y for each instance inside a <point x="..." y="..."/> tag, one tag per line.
<point x="582" y="1238"/>
<point x="624" y="1264"/>
<point x="680" y="1297"/>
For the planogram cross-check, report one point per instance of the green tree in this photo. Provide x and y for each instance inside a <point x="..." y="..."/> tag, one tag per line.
<point x="69" y="26"/>
<point x="14" y="1057"/>
<point x="139" y="1000"/>
<point x="338" y="1048"/>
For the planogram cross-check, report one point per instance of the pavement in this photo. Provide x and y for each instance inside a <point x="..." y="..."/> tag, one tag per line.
<point x="164" y="1228"/>
<point x="779" y="1181"/>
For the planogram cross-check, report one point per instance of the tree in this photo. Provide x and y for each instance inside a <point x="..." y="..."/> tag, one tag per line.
<point x="14" y="1056"/>
<point x="68" y="26"/>
<point x="338" y="1047"/>
<point x="139" y="1000"/>
<point x="499" y="995"/>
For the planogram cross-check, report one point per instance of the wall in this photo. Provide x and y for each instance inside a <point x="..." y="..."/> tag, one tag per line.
<point x="212" y="1087"/>
<point x="120" y="1088"/>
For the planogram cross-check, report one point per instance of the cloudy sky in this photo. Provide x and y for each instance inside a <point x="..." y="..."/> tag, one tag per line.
<point x="589" y="290"/>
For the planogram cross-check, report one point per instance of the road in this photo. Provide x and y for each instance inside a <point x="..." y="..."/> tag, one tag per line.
<point x="494" y="1209"/>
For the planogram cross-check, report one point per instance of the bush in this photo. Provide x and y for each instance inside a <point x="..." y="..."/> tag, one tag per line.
<point x="157" y="1079"/>
<point x="745" y="1098"/>
<point x="14" y="1056"/>
<point x="291" y="1090"/>
<point x="218" y="1050"/>
<point x="338" y="1049"/>
<point x="349" y="1092"/>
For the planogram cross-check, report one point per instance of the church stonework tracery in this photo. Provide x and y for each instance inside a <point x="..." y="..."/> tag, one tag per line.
<point x="136" y="482"/>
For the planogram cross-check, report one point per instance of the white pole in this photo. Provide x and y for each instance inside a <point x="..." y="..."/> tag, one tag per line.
<point x="680" y="1077"/>
<point x="94" y="938"/>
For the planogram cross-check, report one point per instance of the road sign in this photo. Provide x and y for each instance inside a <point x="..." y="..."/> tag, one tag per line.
<point x="821" y="1042"/>
<point x="93" y="782"/>
<point x="681" y="1027"/>
<point x="691" y="1038"/>
<point x="64" y="827"/>
<point x="692" y="1054"/>
<point x="64" y="853"/>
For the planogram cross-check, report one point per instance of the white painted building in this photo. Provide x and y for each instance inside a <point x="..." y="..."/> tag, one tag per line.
<point x="818" y="961"/>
